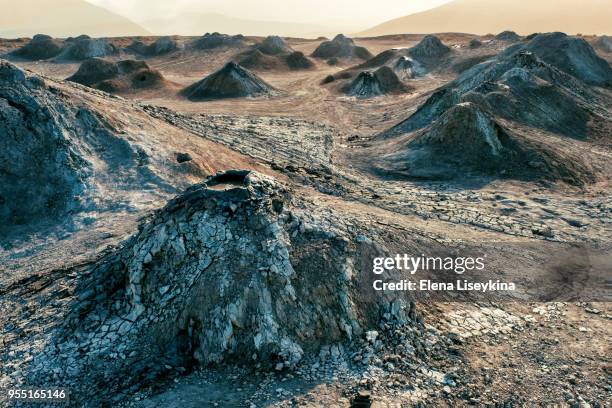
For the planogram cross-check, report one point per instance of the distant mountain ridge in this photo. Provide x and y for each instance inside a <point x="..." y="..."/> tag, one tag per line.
<point x="200" y="23"/>
<point x="62" y="18"/>
<point x="493" y="16"/>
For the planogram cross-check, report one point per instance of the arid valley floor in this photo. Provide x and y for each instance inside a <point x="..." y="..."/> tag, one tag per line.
<point x="399" y="144"/>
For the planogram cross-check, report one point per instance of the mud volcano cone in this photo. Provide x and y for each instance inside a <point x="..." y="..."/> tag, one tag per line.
<point x="572" y="55"/>
<point x="84" y="47"/>
<point x="604" y="43"/>
<point x="232" y="81"/>
<point x="93" y="71"/>
<point x="257" y="60"/>
<point x="40" y="47"/>
<point x="429" y="47"/>
<point x="509" y="36"/>
<point x="341" y="47"/>
<point x="237" y="269"/>
<point x="297" y="60"/>
<point x="217" y="40"/>
<point x="466" y="141"/>
<point x="370" y="84"/>
<point x="274" y="45"/>
<point x="161" y="46"/>
<point x="123" y="76"/>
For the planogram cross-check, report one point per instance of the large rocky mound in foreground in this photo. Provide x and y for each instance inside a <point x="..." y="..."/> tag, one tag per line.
<point x="84" y="47"/>
<point x="369" y="84"/>
<point x="341" y="47"/>
<point x="572" y="55"/>
<point x="521" y="88"/>
<point x="236" y="269"/>
<point x="161" y="46"/>
<point x="122" y="76"/>
<point x="40" y="47"/>
<point x="466" y="141"/>
<point x="232" y="81"/>
<point x="216" y="40"/>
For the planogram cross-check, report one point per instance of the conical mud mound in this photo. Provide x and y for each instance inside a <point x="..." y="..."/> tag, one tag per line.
<point x="236" y="269"/>
<point x="407" y="68"/>
<point x="40" y="47"/>
<point x="572" y="55"/>
<point x="93" y="71"/>
<point x="509" y="36"/>
<point x="274" y="45"/>
<point x="466" y="141"/>
<point x="604" y="43"/>
<point x="429" y="47"/>
<point x="297" y="60"/>
<point x="257" y="60"/>
<point x="341" y="47"/>
<point x="371" y="84"/>
<point x="161" y="46"/>
<point x="84" y="47"/>
<point x="556" y="101"/>
<point x="475" y="43"/>
<point x="232" y="81"/>
<point x="123" y="76"/>
<point x="215" y="40"/>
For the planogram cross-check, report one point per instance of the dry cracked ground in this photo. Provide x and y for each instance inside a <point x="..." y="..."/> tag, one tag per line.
<point x="170" y="245"/>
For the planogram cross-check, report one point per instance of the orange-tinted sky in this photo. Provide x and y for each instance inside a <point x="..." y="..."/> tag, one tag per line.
<point x="349" y="13"/>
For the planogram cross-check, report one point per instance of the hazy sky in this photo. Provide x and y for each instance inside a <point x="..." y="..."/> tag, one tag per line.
<point x="346" y="12"/>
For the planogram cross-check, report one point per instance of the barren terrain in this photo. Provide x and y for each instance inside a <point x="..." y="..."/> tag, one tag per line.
<point x="339" y="161"/>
